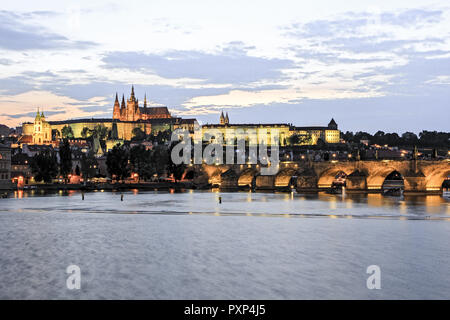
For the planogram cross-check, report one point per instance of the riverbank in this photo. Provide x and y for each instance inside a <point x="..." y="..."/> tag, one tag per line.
<point x="114" y="186"/>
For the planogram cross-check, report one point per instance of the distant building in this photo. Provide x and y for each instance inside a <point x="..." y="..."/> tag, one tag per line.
<point x="132" y="112"/>
<point x="20" y="169"/>
<point x="328" y="134"/>
<point x="127" y="116"/>
<point x="39" y="132"/>
<point x="5" y="167"/>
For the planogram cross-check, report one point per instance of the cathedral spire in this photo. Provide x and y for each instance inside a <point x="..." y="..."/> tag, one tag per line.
<point x="123" y="101"/>
<point x="145" y="100"/>
<point x="117" y="99"/>
<point x="132" y="92"/>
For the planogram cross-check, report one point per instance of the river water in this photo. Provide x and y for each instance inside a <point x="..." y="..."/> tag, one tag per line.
<point x="187" y="245"/>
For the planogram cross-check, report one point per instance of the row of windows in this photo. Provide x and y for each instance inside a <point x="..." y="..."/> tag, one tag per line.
<point x="4" y="176"/>
<point x="4" y="165"/>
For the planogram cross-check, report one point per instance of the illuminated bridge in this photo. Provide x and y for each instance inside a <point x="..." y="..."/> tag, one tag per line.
<point x="413" y="176"/>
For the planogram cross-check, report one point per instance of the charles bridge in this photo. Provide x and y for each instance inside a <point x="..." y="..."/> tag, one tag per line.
<point x="419" y="176"/>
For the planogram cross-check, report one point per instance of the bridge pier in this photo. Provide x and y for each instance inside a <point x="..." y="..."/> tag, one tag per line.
<point x="265" y="182"/>
<point x="356" y="182"/>
<point x="307" y="182"/>
<point x="415" y="183"/>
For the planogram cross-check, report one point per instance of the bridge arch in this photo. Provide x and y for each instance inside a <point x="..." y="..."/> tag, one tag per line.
<point x="328" y="177"/>
<point x="436" y="179"/>
<point x="189" y="174"/>
<point x="376" y="178"/>
<point x="394" y="180"/>
<point x="246" y="178"/>
<point x="215" y="177"/>
<point x="283" y="177"/>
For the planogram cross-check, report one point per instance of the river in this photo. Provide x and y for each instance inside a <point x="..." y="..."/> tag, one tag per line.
<point x="187" y="245"/>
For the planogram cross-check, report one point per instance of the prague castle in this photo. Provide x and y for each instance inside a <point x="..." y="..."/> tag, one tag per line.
<point x="128" y="115"/>
<point x="326" y="134"/>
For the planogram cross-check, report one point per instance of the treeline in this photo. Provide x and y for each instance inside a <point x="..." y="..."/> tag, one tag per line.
<point x="123" y="161"/>
<point x="46" y="167"/>
<point x="407" y="139"/>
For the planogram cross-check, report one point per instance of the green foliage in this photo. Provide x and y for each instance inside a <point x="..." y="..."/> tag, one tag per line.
<point x="176" y="170"/>
<point x="100" y="131"/>
<point x="117" y="162"/>
<point x="299" y="139"/>
<point x="138" y="134"/>
<point x="160" y="159"/>
<point x="44" y="166"/>
<point x="160" y="137"/>
<point x="88" y="165"/>
<point x="410" y="139"/>
<point x="141" y="162"/>
<point x="67" y="132"/>
<point x="86" y="132"/>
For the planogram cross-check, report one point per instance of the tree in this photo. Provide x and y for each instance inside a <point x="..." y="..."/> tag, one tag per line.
<point x="100" y="131"/>
<point x="65" y="159"/>
<point x="67" y="132"/>
<point x="138" y="134"/>
<point x="88" y="165"/>
<point x="55" y="134"/>
<point x="409" y="139"/>
<point x="160" y="159"/>
<point x="298" y="139"/>
<point x="44" y="166"/>
<point x="141" y="162"/>
<point x="117" y="162"/>
<point x="176" y="170"/>
<point x="86" y="132"/>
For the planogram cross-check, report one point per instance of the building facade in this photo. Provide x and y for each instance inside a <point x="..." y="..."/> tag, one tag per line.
<point x="263" y="132"/>
<point x="5" y="167"/>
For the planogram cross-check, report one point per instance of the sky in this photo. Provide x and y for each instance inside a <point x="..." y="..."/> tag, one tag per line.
<point x="371" y="66"/>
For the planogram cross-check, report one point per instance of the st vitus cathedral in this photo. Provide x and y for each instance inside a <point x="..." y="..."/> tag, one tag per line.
<point x="132" y="112"/>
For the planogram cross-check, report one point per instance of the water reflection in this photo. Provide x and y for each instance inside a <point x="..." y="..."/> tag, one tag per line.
<point x="244" y="203"/>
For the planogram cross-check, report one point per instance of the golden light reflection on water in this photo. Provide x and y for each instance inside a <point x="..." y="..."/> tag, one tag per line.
<point x="348" y="203"/>
<point x="375" y="199"/>
<point x="333" y="203"/>
<point x="403" y="207"/>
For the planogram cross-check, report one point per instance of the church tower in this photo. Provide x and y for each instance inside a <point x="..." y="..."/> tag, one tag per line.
<point x="227" y="120"/>
<point x="222" y="118"/>
<point x="133" y="113"/>
<point x="123" y="109"/>
<point x="42" y="132"/>
<point x="332" y="125"/>
<point x="116" y="112"/>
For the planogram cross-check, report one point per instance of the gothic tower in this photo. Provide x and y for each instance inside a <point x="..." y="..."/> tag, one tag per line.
<point x="222" y="118"/>
<point x="123" y="109"/>
<point x="116" y="112"/>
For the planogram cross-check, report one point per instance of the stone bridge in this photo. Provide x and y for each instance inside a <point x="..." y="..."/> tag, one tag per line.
<point x="419" y="176"/>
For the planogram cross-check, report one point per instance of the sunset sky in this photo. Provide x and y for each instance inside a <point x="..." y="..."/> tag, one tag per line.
<point x="370" y="67"/>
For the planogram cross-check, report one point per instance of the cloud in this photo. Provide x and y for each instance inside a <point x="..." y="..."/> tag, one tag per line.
<point x="15" y="34"/>
<point x="230" y="65"/>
